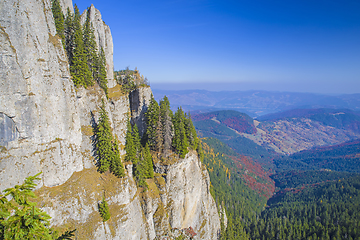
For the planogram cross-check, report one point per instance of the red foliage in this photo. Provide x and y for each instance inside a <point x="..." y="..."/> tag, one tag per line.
<point x="240" y="125"/>
<point x="255" y="176"/>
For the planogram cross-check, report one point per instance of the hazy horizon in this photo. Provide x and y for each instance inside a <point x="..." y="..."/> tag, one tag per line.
<point x="247" y="87"/>
<point x="306" y="46"/>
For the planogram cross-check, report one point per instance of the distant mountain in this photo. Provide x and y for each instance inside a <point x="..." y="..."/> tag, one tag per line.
<point x="255" y="103"/>
<point x="286" y="132"/>
<point x="240" y="122"/>
<point x="343" y="157"/>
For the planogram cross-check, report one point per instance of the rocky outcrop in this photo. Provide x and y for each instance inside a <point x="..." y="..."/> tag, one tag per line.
<point x="46" y="125"/>
<point x="103" y="40"/>
<point x="65" y="4"/>
<point x="140" y="99"/>
<point x="38" y="100"/>
<point x="186" y="195"/>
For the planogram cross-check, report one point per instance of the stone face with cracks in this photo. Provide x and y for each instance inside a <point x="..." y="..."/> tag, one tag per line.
<point x="46" y="125"/>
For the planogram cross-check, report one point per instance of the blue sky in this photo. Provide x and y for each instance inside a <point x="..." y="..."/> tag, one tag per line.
<point x="307" y="46"/>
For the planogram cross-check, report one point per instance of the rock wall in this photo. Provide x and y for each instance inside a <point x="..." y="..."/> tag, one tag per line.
<point x="103" y="40"/>
<point x="65" y="4"/>
<point x="46" y="125"/>
<point x="37" y="97"/>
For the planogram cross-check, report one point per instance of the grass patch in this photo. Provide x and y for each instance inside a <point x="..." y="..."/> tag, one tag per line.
<point x="115" y="92"/>
<point x="87" y="130"/>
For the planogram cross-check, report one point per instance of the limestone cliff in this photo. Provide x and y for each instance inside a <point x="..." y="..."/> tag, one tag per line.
<point x="103" y="40"/>
<point x="46" y="125"/>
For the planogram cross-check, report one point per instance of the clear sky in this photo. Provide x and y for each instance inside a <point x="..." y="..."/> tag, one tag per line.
<point x="286" y="45"/>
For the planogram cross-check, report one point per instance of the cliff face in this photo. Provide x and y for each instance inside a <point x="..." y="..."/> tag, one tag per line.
<point x="103" y="40"/>
<point x="41" y="125"/>
<point x="46" y="125"/>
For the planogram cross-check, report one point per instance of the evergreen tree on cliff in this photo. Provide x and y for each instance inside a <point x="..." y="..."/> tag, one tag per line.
<point x="148" y="162"/>
<point x="152" y="122"/>
<point x="104" y="138"/>
<point x="101" y="71"/>
<point x="129" y="145"/>
<point x="90" y="46"/>
<point x="167" y="129"/>
<point x="59" y="19"/>
<point x="117" y="168"/>
<point x="79" y="69"/>
<point x="180" y="141"/>
<point x="191" y="132"/>
<point x="69" y="35"/>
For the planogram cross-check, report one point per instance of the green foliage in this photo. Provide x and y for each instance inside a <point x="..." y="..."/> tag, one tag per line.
<point x="67" y="235"/>
<point x="130" y="79"/>
<point x="90" y="47"/>
<point x="148" y="162"/>
<point x="19" y="216"/>
<point x="87" y="63"/>
<point x="230" y="190"/>
<point x="104" y="210"/>
<point x="180" y="141"/>
<point x="69" y="31"/>
<point x="104" y="141"/>
<point x="101" y="75"/>
<point x="296" y="178"/>
<point x="328" y="211"/>
<point x="166" y="129"/>
<point x="58" y="18"/>
<point x="117" y="168"/>
<point x="129" y="145"/>
<point x="152" y="122"/>
<point x="343" y="157"/>
<point x="79" y="68"/>
<point x="107" y="146"/>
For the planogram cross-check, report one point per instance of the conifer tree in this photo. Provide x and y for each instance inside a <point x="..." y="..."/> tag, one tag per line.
<point x="21" y="219"/>
<point x="69" y="35"/>
<point x="148" y="162"/>
<point x="90" y="47"/>
<point x="117" y="168"/>
<point x="140" y="170"/>
<point x="104" y="210"/>
<point x="166" y="116"/>
<point x="137" y="140"/>
<point x="79" y="69"/>
<point x="104" y="145"/>
<point x="180" y="141"/>
<point x="101" y="71"/>
<point x="59" y="19"/>
<point x="191" y="132"/>
<point x="152" y="123"/>
<point x="129" y="145"/>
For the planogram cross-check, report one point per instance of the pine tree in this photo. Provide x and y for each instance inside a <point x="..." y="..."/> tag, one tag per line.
<point x="69" y="35"/>
<point x="137" y="140"/>
<point x="117" y="168"/>
<point x="104" y="210"/>
<point x="148" y="162"/>
<point x="59" y="19"/>
<point x="191" y="132"/>
<point x="104" y="145"/>
<point x="180" y="141"/>
<point x="140" y="170"/>
<point x="166" y="116"/>
<point x="19" y="216"/>
<point x="90" y="48"/>
<point x="79" y="69"/>
<point x="101" y="71"/>
<point x="152" y="122"/>
<point x="129" y="145"/>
